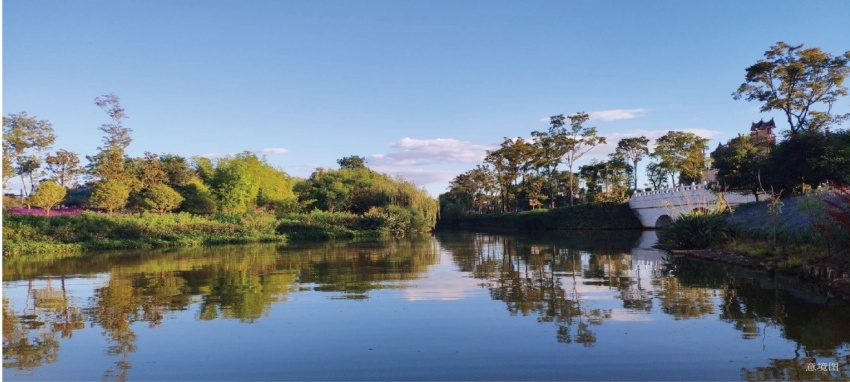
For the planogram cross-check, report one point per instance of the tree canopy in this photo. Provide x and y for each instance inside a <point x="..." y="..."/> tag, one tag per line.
<point x="797" y="80"/>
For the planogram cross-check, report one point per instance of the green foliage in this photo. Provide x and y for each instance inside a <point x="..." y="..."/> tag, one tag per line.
<point x="578" y="217"/>
<point x="48" y="195"/>
<point x="244" y="180"/>
<point x="683" y="154"/>
<point x="352" y="162"/>
<point x="25" y="139"/>
<point x="795" y="80"/>
<point x="160" y="198"/>
<point x="808" y="159"/>
<point x="578" y="140"/>
<point x="739" y="163"/>
<point x="695" y="230"/>
<point x="633" y="149"/>
<point x="64" y="167"/>
<point x="109" y="195"/>
<point x="361" y="190"/>
<point x="23" y="234"/>
<point x="197" y="198"/>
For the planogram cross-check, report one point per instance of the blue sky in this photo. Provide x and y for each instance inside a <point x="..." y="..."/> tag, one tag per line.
<point x="419" y="88"/>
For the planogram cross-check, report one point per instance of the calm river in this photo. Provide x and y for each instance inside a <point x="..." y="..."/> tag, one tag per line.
<point x="460" y="306"/>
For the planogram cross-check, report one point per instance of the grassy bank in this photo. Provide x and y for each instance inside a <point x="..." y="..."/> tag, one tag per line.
<point x="28" y="234"/>
<point x="580" y="217"/>
<point x="792" y="235"/>
<point x="25" y="234"/>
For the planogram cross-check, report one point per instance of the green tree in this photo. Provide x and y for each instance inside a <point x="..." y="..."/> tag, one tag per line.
<point x="657" y="175"/>
<point x="116" y="135"/>
<point x="795" y="80"/>
<point x="110" y="195"/>
<point x="65" y="167"/>
<point x="353" y="161"/>
<point x="683" y="154"/>
<point x="245" y="179"/>
<point x="549" y="149"/>
<point x="25" y="140"/>
<point x="161" y="199"/>
<point x="111" y="162"/>
<point x="197" y="198"/>
<point x="807" y="160"/>
<point x="177" y="170"/>
<point x="48" y="195"/>
<point x="578" y="140"/>
<point x="633" y="149"/>
<point x="509" y="161"/>
<point x="739" y="163"/>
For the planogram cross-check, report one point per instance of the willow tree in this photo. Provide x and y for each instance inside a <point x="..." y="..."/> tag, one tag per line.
<point x="796" y="80"/>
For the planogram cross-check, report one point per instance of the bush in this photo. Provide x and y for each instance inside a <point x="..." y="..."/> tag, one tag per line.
<point x="695" y="230"/>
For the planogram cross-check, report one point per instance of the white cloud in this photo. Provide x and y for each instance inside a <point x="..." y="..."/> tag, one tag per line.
<point x="616" y="114"/>
<point x="418" y="152"/>
<point x="278" y="150"/>
<point x="420" y="176"/>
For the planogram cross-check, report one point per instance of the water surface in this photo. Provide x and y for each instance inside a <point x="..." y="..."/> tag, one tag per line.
<point x="463" y="306"/>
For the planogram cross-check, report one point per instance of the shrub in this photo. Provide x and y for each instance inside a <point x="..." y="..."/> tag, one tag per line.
<point x="695" y="230"/>
<point x="48" y="195"/>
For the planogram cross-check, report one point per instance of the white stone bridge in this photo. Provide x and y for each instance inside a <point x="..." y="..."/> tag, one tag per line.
<point x="657" y="208"/>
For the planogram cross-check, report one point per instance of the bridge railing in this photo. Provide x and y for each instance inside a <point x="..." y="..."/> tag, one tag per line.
<point x="680" y="188"/>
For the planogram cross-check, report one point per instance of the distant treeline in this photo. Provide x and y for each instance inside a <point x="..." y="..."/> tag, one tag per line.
<point x="214" y="196"/>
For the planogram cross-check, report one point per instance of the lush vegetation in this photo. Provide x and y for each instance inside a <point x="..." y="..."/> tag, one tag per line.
<point x="699" y="229"/>
<point x="239" y="198"/>
<point x="578" y="217"/>
<point x="39" y="234"/>
<point x="540" y="173"/>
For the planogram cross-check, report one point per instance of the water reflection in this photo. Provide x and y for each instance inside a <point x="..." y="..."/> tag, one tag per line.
<point x="577" y="284"/>
<point x="240" y="283"/>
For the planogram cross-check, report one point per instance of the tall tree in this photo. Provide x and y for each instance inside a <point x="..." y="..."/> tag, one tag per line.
<point x="578" y="140"/>
<point x="795" y="79"/>
<point x="657" y="175"/>
<point x="65" y="167"/>
<point x="549" y="150"/>
<point x="508" y="161"/>
<point x="682" y="154"/>
<point x="633" y="149"/>
<point x="116" y="135"/>
<point x="25" y="140"/>
<point x="110" y="161"/>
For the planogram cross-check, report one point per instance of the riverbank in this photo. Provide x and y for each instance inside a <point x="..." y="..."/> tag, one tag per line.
<point x="828" y="277"/>
<point x="581" y="217"/>
<point x="30" y="235"/>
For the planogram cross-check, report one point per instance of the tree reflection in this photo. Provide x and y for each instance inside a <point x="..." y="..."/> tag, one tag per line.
<point x="530" y="280"/>
<point x="240" y="283"/>
<point x="30" y="339"/>
<point x="801" y="369"/>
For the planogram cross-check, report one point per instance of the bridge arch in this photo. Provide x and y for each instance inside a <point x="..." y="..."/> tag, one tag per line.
<point x="663" y="221"/>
